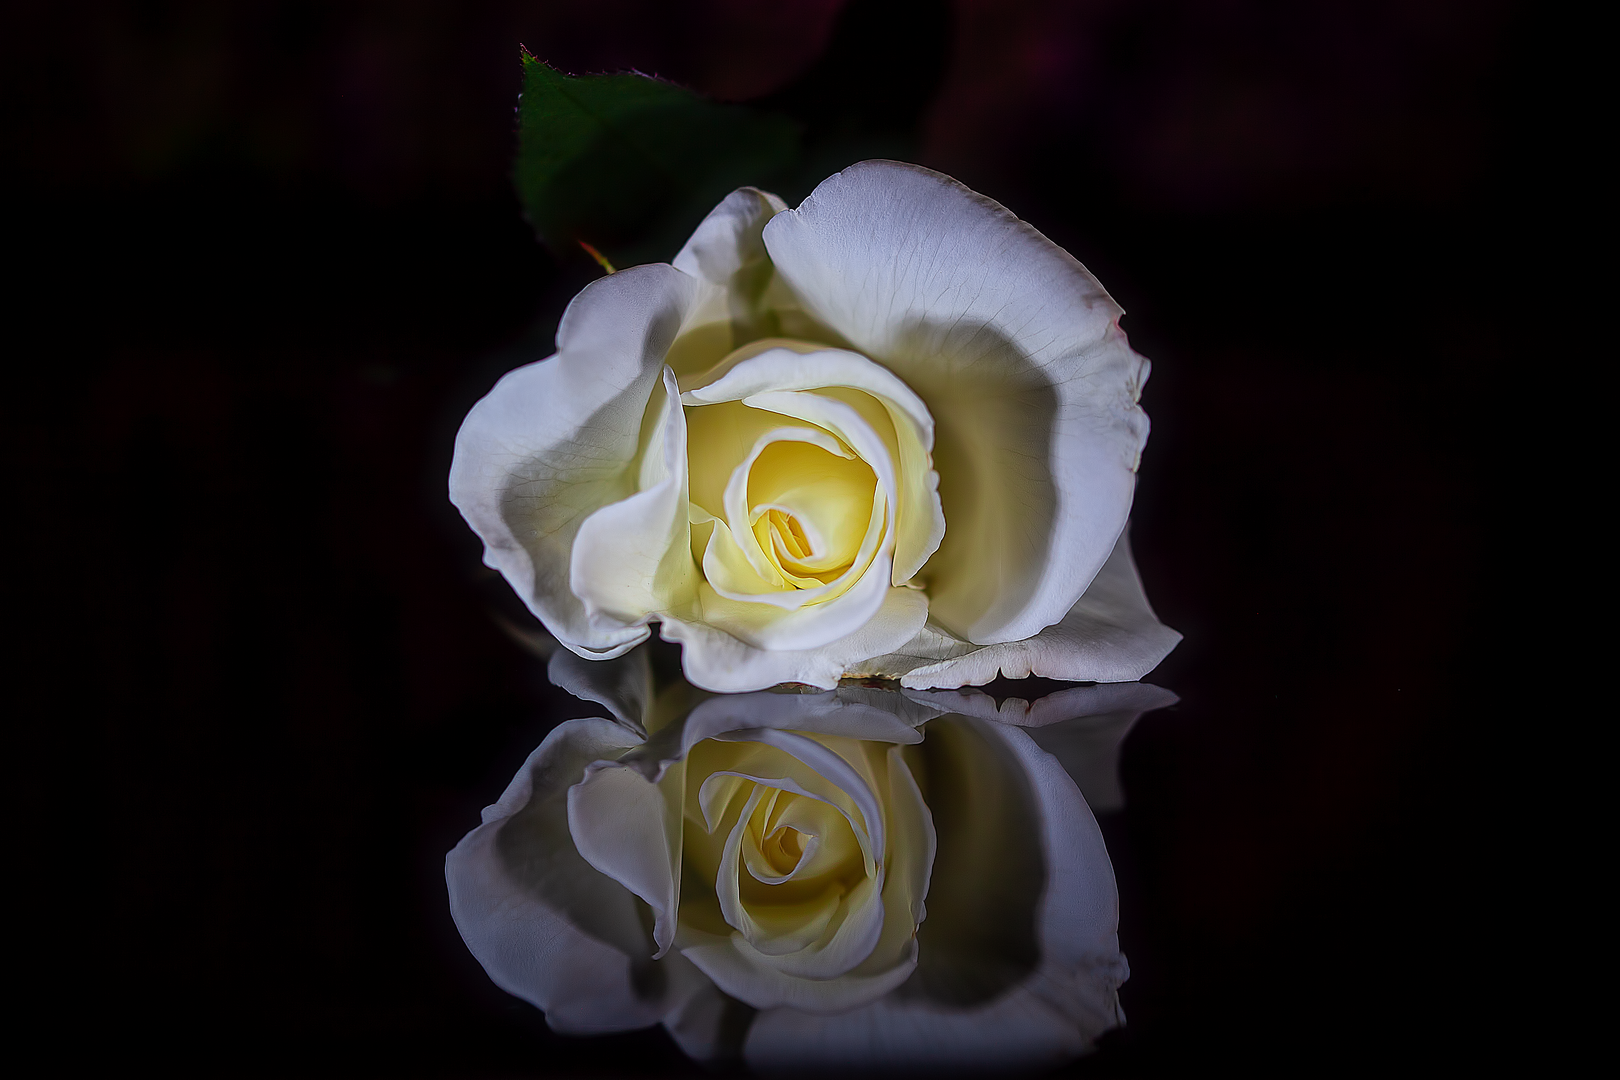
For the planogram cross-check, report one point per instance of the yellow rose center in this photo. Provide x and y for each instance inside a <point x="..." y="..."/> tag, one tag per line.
<point x="809" y="509"/>
<point x="784" y="497"/>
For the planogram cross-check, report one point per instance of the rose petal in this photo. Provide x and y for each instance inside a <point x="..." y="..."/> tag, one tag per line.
<point x="624" y="685"/>
<point x="726" y="258"/>
<point x="1015" y="348"/>
<point x="728" y="241"/>
<point x="718" y="661"/>
<point x="749" y="978"/>
<point x="553" y="442"/>
<point x="734" y="548"/>
<point x="831" y="624"/>
<point x="1110" y="635"/>
<point x="633" y="558"/>
<point x="921" y="521"/>
<point x="873" y="947"/>
<point x="630" y="830"/>
<point x="851" y="711"/>
<point x="851" y="941"/>
<point x="736" y="605"/>
<point x="1055" y="1011"/>
<point x="827" y="765"/>
<point x="546" y="926"/>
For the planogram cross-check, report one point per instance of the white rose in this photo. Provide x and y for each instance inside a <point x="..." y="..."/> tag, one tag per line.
<point x="885" y="879"/>
<point x="891" y="432"/>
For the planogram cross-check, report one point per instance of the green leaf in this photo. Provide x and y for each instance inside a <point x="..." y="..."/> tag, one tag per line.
<point x="631" y="164"/>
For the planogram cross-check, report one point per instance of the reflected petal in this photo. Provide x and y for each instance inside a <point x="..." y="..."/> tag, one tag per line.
<point x="630" y="830"/>
<point x="1082" y="726"/>
<point x="996" y="932"/>
<point x="1055" y="1012"/>
<point x="624" y="684"/>
<point x="545" y="925"/>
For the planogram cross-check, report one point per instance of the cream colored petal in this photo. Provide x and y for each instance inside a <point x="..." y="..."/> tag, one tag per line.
<point x="907" y="873"/>
<point x="849" y="601"/>
<point x="826" y="763"/>
<point x="728" y="570"/>
<point x="841" y="420"/>
<point x="719" y="438"/>
<point x="738" y="503"/>
<point x="555" y="441"/>
<point x="828" y="497"/>
<point x="633" y="558"/>
<point x="722" y="787"/>
<point x="730" y="575"/>
<point x="727" y="261"/>
<point x="829" y="946"/>
<point x="716" y="660"/>
<point x="765" y="625"/>
<point x="726" y="438"/>
<point x="807" y="820"/>
<point x="877" y="940"/>
<point x="921" y="521"/>
<point x="728" y="240"/>
<point x="1110" y="635"/>
<point x="1016" y="349"/>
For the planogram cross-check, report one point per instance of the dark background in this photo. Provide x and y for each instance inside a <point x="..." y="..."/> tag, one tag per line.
<point x="265" y="256"/>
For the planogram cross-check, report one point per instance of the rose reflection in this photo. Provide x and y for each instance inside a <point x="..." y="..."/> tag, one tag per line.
<point x="864" y="876"/>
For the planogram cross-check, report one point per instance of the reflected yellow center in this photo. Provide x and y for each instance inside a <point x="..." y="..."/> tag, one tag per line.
<point x="798" y="854"/>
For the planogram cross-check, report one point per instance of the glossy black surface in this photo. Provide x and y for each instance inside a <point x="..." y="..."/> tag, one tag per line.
<point x="269" y="257"/>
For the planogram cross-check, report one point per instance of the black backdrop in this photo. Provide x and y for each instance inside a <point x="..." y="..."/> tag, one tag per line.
<point x="266" y="256"/>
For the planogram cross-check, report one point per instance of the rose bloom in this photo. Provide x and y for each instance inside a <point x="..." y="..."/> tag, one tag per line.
<point x="892" y="432"/>
<point x="855" y="877"/>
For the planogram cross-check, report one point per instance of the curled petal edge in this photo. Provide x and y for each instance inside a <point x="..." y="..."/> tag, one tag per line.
<point x="1110" y="635"/>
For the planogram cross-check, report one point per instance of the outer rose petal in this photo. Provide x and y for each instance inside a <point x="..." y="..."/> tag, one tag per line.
<point x="1110" y="635"/>
<point x="546" y="926"/>
<point x="727" y="242"/>
<point x="634" y="557"/>
<point x="1016" y="349"/>
<point x="727" y="258"/>
<point x="553" y="442"/>
<point x="1054" y="1012"/>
